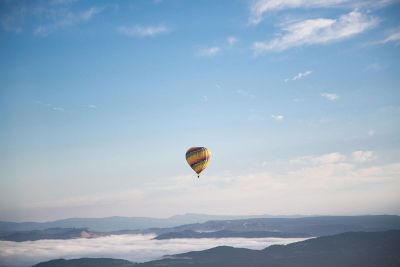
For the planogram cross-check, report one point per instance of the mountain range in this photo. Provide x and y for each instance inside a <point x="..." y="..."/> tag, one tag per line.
<point x="117" y="223"/>
<point x="51" y="233"/>
<point x="249" y="227"/>
<point x="293" y="227"/>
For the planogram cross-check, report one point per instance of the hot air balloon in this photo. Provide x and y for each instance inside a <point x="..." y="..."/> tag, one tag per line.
<point x="198" y="158"/>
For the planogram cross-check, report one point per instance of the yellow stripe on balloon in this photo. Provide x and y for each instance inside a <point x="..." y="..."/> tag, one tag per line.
<point x="199" y="167"/>
<point x="198" y="158"/>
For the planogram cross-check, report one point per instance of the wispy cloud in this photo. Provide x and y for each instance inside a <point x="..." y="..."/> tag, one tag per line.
<point x="245" y="93"/>
<point x="63" y="19"/>
<point x="11" y="21"/>
<point x="373" y="67"/>
<point x="45" y="17"/>
<point x="317" y="31"/>
<point x="143" y="31"/>
<point x="50" y="106"/>
<point x="212" y="51"/>
<point x="209" y="51"/>
<point x="391" y="37"/>
<point x="231" y="40"/>
<point x="259" y="8"/>
<point x="329" y="158"/>
<point x="277" y="117"/>
<point x="62" y="2"/>
<point x="329" y="96"/>
<point x="59" y="108"/>
<point x="299" y="76"/>
<point x="362" y="156"/>
<point x="371" y="132"/>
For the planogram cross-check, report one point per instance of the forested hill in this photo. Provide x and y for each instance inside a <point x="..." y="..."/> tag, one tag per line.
<point x="356" y="249"/>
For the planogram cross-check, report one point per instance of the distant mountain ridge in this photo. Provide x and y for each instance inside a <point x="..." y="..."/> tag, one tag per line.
<point x="308" y="226"/>
<point x="354" y="249"/>
<point x="226" y="233"/>
<point x="117" y="223"/>
<point x="87" y="262"/>
<point x="51" y="233"/>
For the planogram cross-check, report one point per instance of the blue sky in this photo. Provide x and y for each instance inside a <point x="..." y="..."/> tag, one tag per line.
<point x="298" y="101"/>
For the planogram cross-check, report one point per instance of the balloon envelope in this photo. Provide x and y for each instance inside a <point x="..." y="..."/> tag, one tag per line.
<point x="198" y="158"/>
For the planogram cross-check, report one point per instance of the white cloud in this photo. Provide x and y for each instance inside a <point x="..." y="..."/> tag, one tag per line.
<point x="61" y="2"/>
<point x="45" y="17"/>
<point x="362" y="156"/>
<point x="213" y="51"/>
<point x="11" y="22"/>
<point x="371" y="132"/>
<point x="88" y="14"/>
<point x="50" y="106"/>
<point x="58" y="109"/>
<point x="259" y="8"/>
<point x="391" y="37"/>
<point x="320" y="159"/>
<point x="205" y="98"/>
<point x="317" y="31"/>
<point x="245" y="94"/>
<point x="231" y="40"/>
<point x="373" y="67"/>
<point x="329" y="96"/>
<point x="299" y="76"/>
<point x="63" y="19"/>
<point x="135" y="248"/>
<point x="209" y="51"/>
<point x="277" y="117"/>
<point x="143" y="31"/>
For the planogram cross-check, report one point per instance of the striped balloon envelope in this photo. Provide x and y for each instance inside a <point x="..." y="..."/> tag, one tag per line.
<point x="198" y="158"/>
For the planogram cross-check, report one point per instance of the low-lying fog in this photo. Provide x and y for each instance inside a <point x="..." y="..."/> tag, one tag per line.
<point x="136" y="248"/>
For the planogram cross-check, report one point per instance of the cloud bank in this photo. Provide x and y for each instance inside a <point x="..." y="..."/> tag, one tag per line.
<point x="356" y="182"/>
<point x="135" y="248"/>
